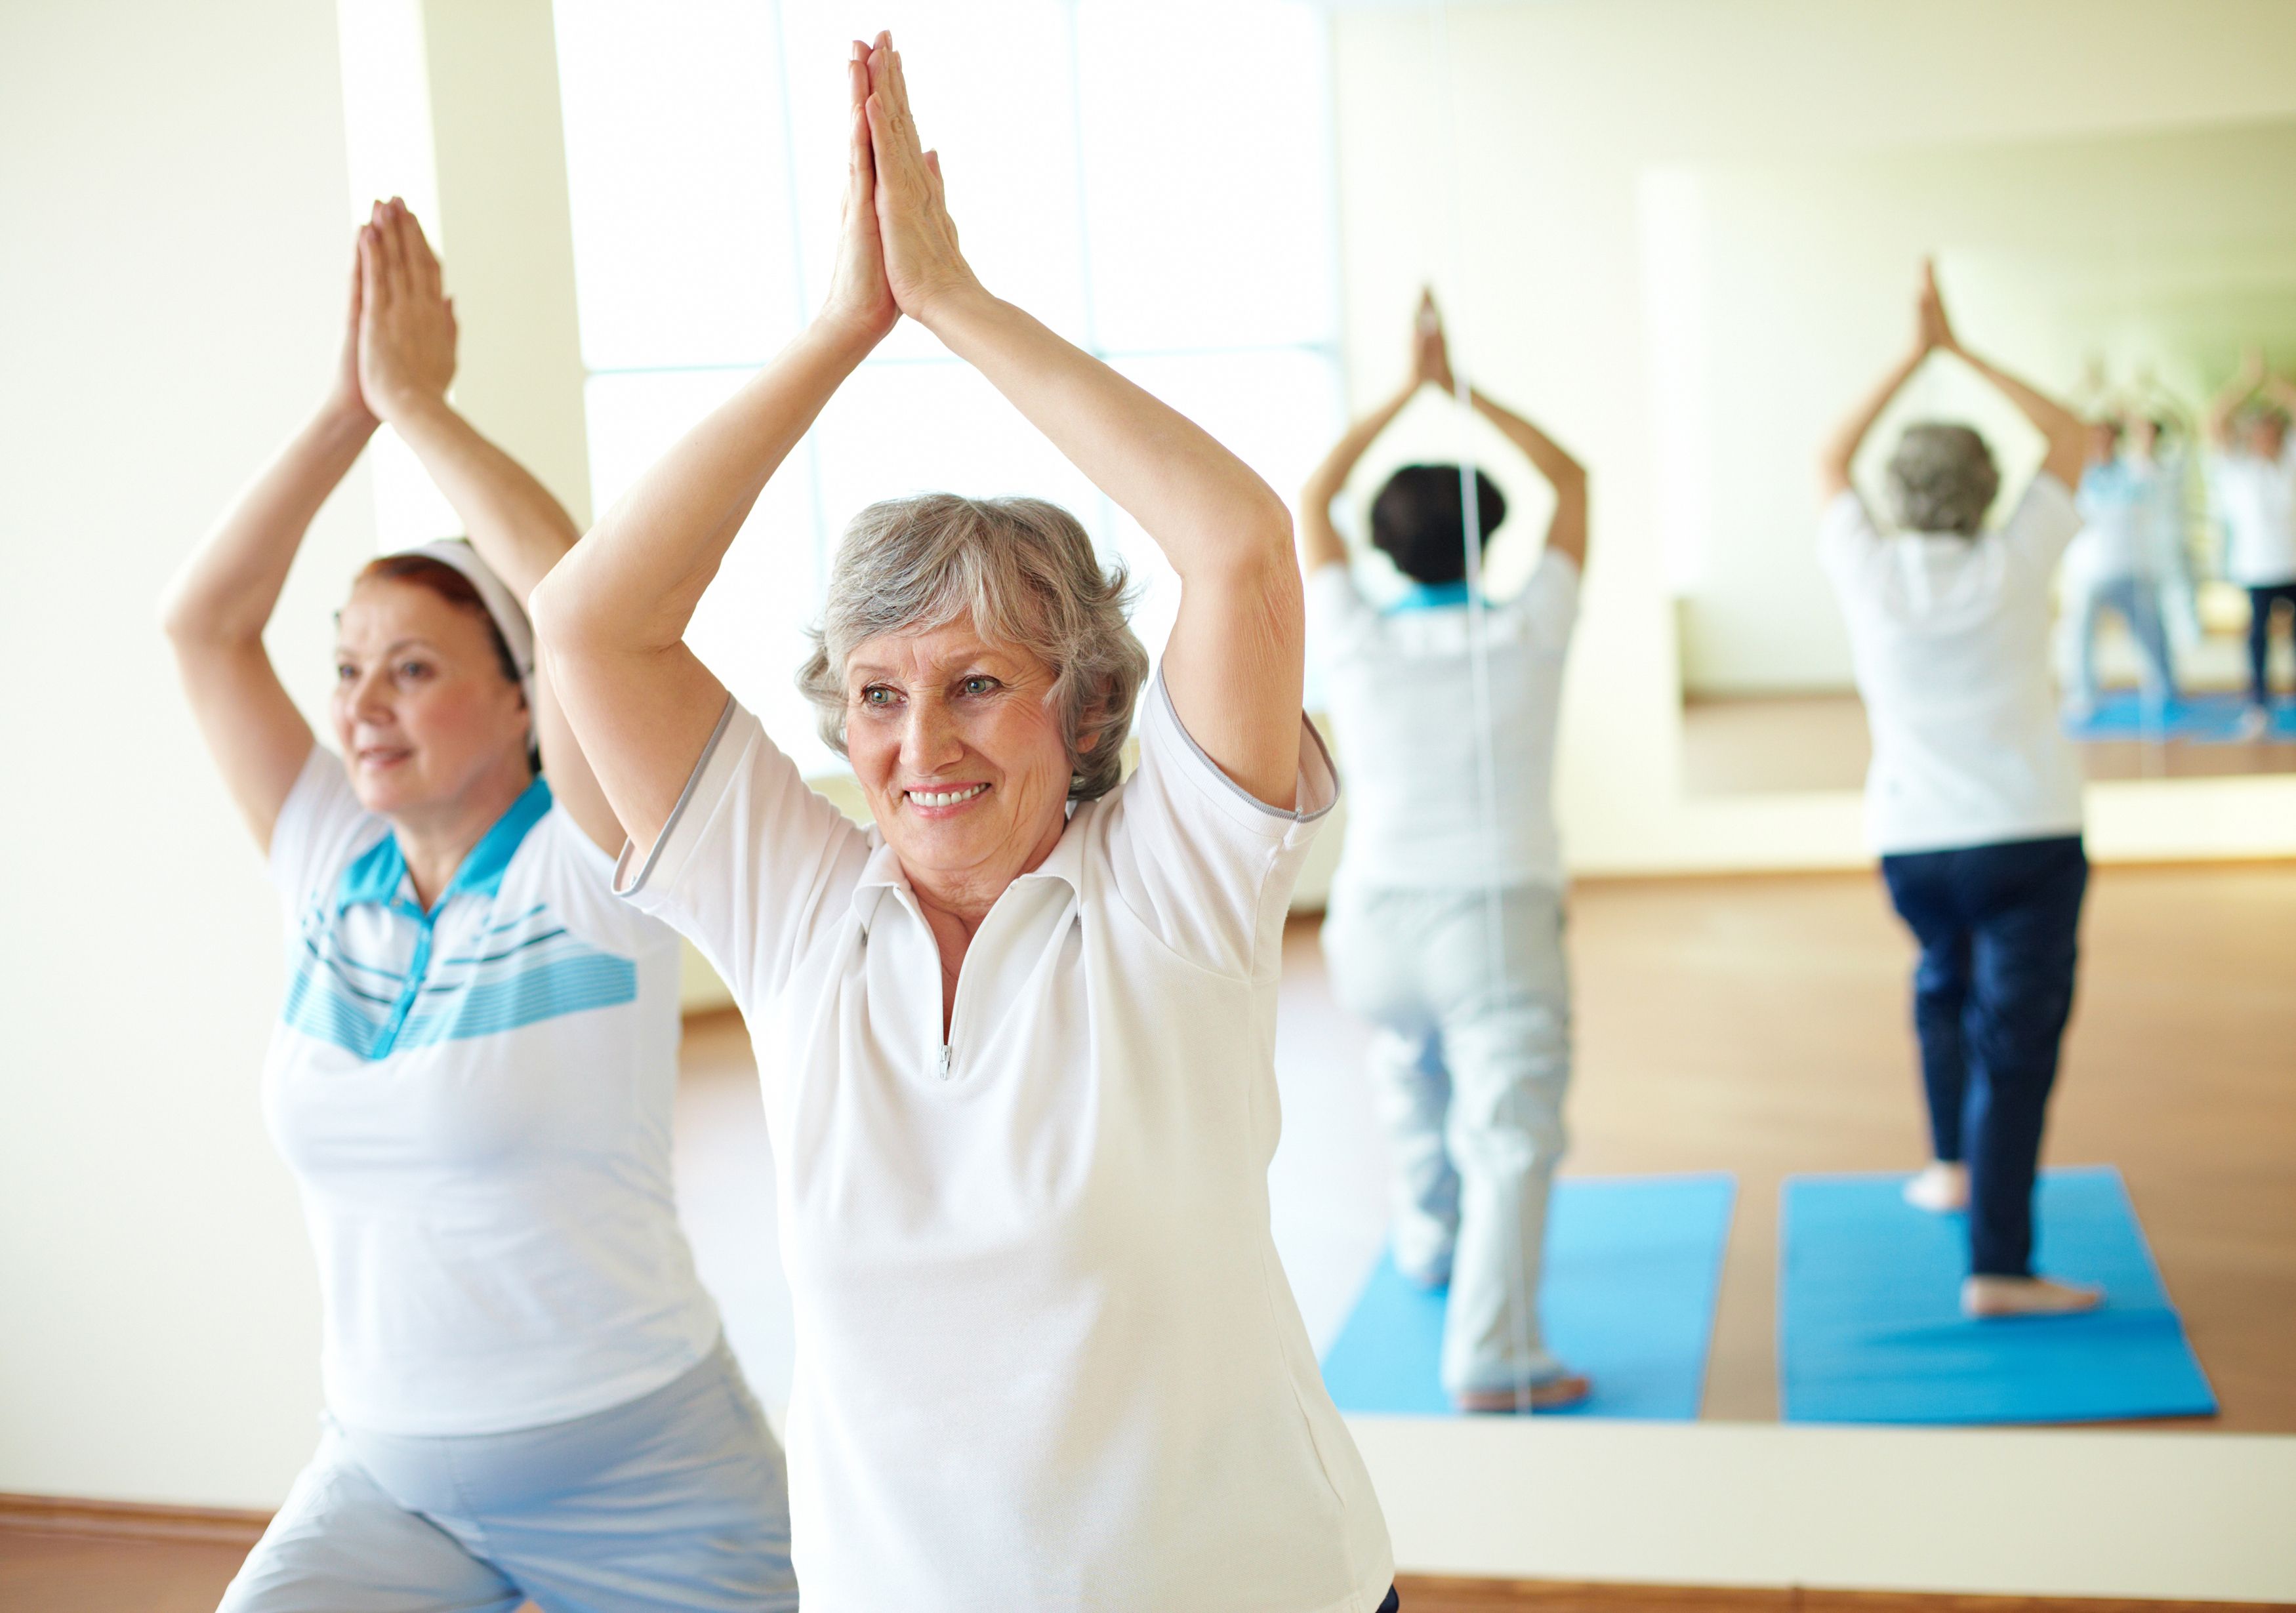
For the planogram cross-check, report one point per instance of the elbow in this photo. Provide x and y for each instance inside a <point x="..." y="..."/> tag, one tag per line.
<point x="556" y="609"/>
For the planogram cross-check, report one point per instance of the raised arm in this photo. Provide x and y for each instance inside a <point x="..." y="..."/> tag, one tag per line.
<point x="1234" y="664"/>
<point x="407" y="358"/>
<point x="2278" y="390"/>
<point x="610" y="618"/>
<point x="1320" y="543"/>
<point x="214" y="610"/>
<point x="1566" y="529"/>
<point x="2066" y="432"/>
<point x="1834" y="459"/>
<point x="2225" y="404"/>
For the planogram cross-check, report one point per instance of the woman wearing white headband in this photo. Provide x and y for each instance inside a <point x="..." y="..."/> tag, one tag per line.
<point x="527" y="1393"/>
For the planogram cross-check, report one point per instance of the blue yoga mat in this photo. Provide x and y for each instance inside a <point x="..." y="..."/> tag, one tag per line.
<point x="1632" y="1266"/>
<point x="1870" y="1328"/>
<point x="2209" y="720"/>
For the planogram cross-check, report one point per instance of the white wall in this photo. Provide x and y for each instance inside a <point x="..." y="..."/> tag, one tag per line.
<point x="1509" y="169"/>
<point x="174" y="261"/>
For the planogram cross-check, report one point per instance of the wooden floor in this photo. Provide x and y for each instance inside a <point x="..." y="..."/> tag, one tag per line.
<point x="1772" y="744"/>
<point x="1758" y="1024"/>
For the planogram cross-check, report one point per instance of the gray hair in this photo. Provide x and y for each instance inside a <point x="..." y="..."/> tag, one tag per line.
<point x="1943" y="478"/>
<point x="1026" y="572"/>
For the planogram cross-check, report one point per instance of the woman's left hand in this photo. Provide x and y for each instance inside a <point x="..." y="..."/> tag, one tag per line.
<point x="922" y="262"/>
<point x="859" y="299"/>
<point x="407" y="322"/>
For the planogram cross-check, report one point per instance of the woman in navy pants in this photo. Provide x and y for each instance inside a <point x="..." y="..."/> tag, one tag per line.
<point x="1974" y="797"/>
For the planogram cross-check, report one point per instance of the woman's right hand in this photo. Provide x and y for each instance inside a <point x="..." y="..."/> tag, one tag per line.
<point x="922" y="262"/>
<point x="859" y="297"/>
<point x="345" y="400"/>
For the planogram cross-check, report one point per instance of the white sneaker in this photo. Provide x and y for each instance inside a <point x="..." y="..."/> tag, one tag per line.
<point x="2255" y="723"/>
<point x="1939" y="1187"/>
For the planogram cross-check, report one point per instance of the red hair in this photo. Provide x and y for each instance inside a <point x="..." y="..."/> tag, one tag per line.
<point x="449" y="584"/>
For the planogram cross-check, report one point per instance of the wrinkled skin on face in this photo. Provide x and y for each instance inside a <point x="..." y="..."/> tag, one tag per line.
<point x="962" y="761"/>
<point x="425" y="719"/>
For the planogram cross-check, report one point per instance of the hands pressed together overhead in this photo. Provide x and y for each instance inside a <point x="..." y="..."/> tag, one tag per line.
<point x="897" y="249"/>
<point x="1430" y="352"/>
<point x="1933" y="330"/>
<point x="398" y="343"/>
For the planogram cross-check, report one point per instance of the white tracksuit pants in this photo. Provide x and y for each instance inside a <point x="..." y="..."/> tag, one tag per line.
<point x="1469" y="1059"/>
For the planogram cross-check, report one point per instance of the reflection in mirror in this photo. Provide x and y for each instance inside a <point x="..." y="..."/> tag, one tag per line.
<point x="2130" y="274"/>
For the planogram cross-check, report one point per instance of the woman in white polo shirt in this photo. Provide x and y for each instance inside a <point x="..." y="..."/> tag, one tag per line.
<point x="528" y="1394"/>
<point x="1471" y="1053"/>
<point x="1973" y="798"/>
<point x="1018" y="1039"/>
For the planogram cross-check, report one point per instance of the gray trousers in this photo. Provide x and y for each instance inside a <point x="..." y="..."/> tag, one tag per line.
<point x="1469" y="1059"/>
<point x="676" y="1500"/>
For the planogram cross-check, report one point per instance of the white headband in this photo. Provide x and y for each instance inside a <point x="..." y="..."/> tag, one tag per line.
<point x="502" y="605"/>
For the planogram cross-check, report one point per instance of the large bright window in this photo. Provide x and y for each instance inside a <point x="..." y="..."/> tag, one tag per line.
<point x="1151" y="179"/>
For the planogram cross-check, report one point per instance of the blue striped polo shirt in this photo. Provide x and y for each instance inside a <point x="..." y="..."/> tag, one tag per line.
<point x="475" y="1099"/>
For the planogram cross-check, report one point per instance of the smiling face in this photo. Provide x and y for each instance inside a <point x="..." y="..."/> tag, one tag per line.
<point x="961" y="759"/>
<point x="423" y="714"/>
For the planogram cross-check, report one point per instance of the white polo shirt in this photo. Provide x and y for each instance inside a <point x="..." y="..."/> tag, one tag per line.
<point x="2256" y="500"/>
<point x="1046" y="1355"/>
<point x="1949" y="639"/>
<point x="1399" y="689"/>
<point x="476" y="1105"/>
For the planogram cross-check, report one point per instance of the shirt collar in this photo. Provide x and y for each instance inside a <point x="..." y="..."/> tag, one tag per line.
<point x="375" y="875"/>
<point x="1431" y="596"/>
<point x="883" y="872"/>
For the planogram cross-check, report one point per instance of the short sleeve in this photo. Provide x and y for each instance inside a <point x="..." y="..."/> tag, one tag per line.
<point x="320" y="827"/>
<point x="751" y="862"/>
<point x="1847" y="537"/>
<point x="1548" y="602"/>
<point x="1205" y="865"/>
<point x="2046" y="520"/>
<point x="581" y="878"/>
<point x="1339" y="618"/>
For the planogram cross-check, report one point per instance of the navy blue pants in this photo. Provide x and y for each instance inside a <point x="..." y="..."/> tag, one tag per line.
<point x="2260" y="602"/>
<point x="1998" y="930"/>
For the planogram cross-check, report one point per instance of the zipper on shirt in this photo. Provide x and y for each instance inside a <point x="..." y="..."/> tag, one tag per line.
<point x="943" y="1060"/>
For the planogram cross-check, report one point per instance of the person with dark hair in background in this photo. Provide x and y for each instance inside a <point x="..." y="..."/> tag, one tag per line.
<point x="1471" y="1053"/>
<point x="1975" y="796"/>
<point x="529" y="1395"/>
<point x="2252" y="482"/>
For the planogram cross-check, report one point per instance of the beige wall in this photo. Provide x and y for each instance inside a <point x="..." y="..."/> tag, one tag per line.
<point x="174" y="260"/>
<point x="2160" y="250"/>
<point x="1535" y="134"/>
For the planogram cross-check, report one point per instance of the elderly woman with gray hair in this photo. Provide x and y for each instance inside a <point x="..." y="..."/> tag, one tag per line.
<point x="1016" y="1040"/>
<point x="1974" y="797"/>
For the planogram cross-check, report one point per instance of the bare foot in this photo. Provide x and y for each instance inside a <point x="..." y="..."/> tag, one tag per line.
<point x="1550" y="1395"/>
<point x="1939" y="1187"/>
<point x="1982" y="1298"/>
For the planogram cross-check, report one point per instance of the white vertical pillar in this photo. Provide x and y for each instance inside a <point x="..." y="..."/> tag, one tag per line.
<point x="453" y="104"/>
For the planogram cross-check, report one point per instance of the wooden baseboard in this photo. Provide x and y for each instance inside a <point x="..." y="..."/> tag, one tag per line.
<point x="65" y="1514"/>
<point x="1441" y="1594"/>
